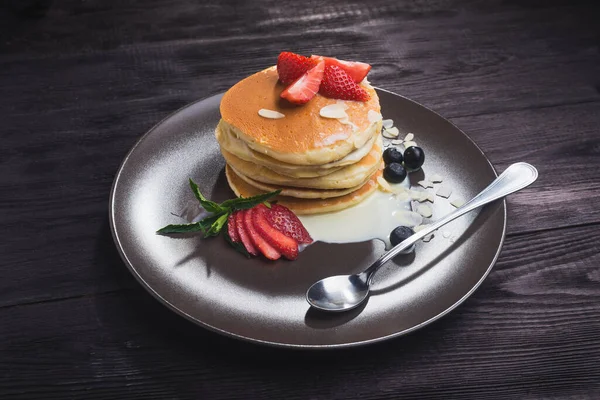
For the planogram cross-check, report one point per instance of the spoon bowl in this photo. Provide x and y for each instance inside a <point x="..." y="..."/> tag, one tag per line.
<point x="345" y="292"/>
<point x="338" y="293"/>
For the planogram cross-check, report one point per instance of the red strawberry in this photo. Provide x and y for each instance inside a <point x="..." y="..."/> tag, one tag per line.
<point x="305" y="87"/>
<point x="258" y="241"/>
<point x="285" y="221"/>
<point x="243" y="234"/>
<point x="357" y="70"/>
<point x="291" y="66"/>
<point x="232" y="229"/>
<point x="286" y="245"/>
<point x="337" y="84"/>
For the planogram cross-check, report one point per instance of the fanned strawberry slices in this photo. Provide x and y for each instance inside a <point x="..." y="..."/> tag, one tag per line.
<point x="274" y="231"/>
<point x="251" y="227"/>
<point x="333" y="78"/>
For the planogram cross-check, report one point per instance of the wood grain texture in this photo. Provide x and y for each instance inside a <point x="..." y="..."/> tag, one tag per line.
<point x="82" y="80"/>
<point x="530" y="331"/>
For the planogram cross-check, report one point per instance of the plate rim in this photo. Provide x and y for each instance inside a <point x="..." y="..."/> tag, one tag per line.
<point x="172" y="307"/>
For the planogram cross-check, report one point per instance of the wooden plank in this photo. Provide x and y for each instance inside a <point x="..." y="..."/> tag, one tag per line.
<point x="530" y="331"/>
<point x="564" y="144"/>
<point x="455" y="60"/>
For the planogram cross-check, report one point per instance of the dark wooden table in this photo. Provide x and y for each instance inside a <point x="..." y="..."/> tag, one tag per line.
<point x="82" y="80"/>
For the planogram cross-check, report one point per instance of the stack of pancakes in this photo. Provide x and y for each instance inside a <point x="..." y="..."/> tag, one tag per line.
<point x="320" y="164"/>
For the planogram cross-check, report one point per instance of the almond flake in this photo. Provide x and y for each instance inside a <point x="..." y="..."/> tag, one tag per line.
<point x="415" y="194"/>
<point x="457" y="202"/>
<point x="444" y="191"/>
<point x="410" y="144"/>
<point x="425" y="184"/>
<point x="396" y="142"/>
<point x="383" y="184"/>
<point x="263" y="112"/>
<point x="425" y="210"/>
<point x="335" y="111"/>
<point x="387" y="123"/>
<point x="436" y="178"/>
<point x="374" y="116"/>
<point x="393" y="130"/>
<point x="391" y="133"/>
<point x="428" y="237"/>
<point x="409" y="137"/>
<point x="424" y="196"/>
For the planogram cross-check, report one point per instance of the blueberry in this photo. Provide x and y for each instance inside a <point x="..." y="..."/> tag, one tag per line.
<point x="392" y="155"/>
<point x="414" y="157"/>
<point x="394" y="173"/>
<point x="400" y="234"/>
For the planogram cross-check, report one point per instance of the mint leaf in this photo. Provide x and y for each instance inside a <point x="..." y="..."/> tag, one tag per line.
<point x="182" y="228"/>
<point x="209" y="226"/>
<point x="244" y="203"/>
<point x="216" y="226"/>
<point x="208" y="205"/>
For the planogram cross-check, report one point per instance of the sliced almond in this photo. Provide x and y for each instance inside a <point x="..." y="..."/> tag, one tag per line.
<point x="334" y="111"/>
<point x="409" y="137"/>
<point x="409" y="144"/>
<point x="415" y="194"/>
<point x="444" y="191"/>
<point x="265" y="113"/>
<point x="387" y="123"/>
<point x="425" y="210"/>
<point x="425" y="184"/>
<point x="384" y="185"/>
<point x="457" y="202"/>
<point x="436" y="178"/>
<point x="396" y="142"/>
<point x="374" y="116"/>
<point x="391" y="133"/>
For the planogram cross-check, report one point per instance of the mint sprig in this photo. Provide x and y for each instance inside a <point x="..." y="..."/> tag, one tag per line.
<point x="213" y="224"/>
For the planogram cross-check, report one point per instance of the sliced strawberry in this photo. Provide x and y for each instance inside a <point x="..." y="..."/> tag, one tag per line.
<point x="337" y="84"/>
<point x="232" y="228"/>
<point x="243" y="234"/>
<point x="356" y="69"/>
<point x="291" y="66"/>
<point x="286" y="245"/>
<point x="286" y="222"/>
<point x="258" y="241"/>
<point x="304" y="88"/>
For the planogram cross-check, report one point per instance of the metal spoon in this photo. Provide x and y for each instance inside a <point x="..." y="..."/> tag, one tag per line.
<point x="345" y="292"/>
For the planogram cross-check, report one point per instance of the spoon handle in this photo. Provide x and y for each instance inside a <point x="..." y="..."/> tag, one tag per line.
<point x="514" y="178"/>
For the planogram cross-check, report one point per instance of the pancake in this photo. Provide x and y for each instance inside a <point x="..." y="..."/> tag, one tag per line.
<point x="239" y="148"/>
<point x="306" y="206"/>
<point x="301" y="193"/>
<point x="347" y="177"/>
<point x="302" y="137"/>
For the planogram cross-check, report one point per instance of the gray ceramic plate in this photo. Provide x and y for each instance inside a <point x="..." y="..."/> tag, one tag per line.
<point x="214" y="286"/>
